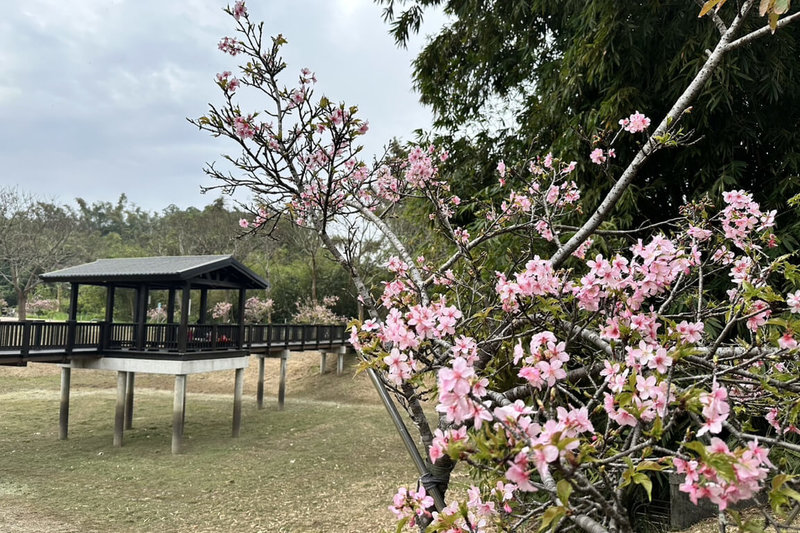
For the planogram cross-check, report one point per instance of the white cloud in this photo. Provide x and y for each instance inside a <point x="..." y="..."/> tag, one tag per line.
<point x="95" y="92"/>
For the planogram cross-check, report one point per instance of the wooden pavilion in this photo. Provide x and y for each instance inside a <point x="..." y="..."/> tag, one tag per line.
<point x="176" y="347"/>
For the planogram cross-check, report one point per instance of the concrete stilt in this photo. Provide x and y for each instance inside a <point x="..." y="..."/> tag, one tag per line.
<point x="63" y="415"/>
<point x="282" y="382"/>
<point x="178" y="412"/>
<point x="260" y="385"/>
<point x="340" y="361"/>
<point x="238" y="389"/>
<point x="129" y="400"/>
<point x="322" y="360"/>
<point x="119" y="415"/>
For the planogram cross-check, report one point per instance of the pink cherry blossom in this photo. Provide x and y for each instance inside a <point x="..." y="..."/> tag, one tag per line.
<point x="239" y="10"/>
<point x="635" y="123"/>
<point x="793" y="301"/>
<point x="597" y="156"/>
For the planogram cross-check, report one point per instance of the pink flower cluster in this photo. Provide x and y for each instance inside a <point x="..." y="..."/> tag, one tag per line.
<point x="443" y="439"/>
<point x="544" y="365"/>
<point x="653" y="267"/>
<point x="227" y="82"/>
<point x="411" y="504"/>
<point x="598" y="156"/>
<point x="749" y="466"/>
<point x="544" y="444"/>
<point x="243" y="128"/>
<point x="538" y="279"/>
<point x="715" y="409"/>
<point x="647" y="400"/>
<point x="793" y="301"/>
<point x="459" y="391"/>
<point x="742" y="216"/>
<point x="635" y="123"/>
<point x="478" y="518"/>
<point x="231" y="46"/>
<point x="239" y="10"/>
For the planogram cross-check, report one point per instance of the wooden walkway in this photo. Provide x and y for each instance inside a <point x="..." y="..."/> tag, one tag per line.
<point x="62" y="342"/>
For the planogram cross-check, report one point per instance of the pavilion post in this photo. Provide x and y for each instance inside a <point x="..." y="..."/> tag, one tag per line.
<point x="238" y="389"/>
<point x="170" y="316"/>
<point x="129" y="400"/>
<point x="110" y="290"/>
<point x="119" y="416"/>
<point x="322" y="362"/>
<point x="171" y="305"/>
<point x="201" y="319"/>
<point x="183" y="330"/>
<point x="240" y="317"/>
<point x="141" y="316"/>
<point x="178" y="412"/>
<point x="282" y="383"/>
<point x="260" y="385"/>
<point x="73" y="316"/>
<point x="340" y="361"/>
<point x="63" y="415"/>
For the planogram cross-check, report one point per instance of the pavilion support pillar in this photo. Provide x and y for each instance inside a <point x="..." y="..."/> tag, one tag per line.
<point x="340" y="361"/>
<point x="119" y="415"/>
<point x="110" y="290"/>
<point x="322" y="362"/>
<point x="178" y="413"/>
<point x="129" y="400"/>
<point x="238" y="389"/>
<point x="73" y="316"/>
<point x="183" y="330"/>
<point x="171" y="306"/>
<point x="240" y="317"/>
<point x="201" y="319"/>
<point x="260" y="384"/>
<point x="63" y="414"/>
<point x="140" y="315"/>
<point x="282" y="382"/>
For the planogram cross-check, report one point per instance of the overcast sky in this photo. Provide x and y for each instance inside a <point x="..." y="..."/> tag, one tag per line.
<point x="95" y="93"/>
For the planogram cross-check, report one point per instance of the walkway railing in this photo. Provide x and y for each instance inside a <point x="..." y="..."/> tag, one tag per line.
<point x="30" y="337"/>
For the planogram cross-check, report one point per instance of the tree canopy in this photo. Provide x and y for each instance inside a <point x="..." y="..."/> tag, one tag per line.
<point x="527" y="76"/>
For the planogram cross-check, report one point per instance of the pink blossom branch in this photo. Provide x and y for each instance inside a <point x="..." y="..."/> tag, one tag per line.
<point x="678" y="108"/>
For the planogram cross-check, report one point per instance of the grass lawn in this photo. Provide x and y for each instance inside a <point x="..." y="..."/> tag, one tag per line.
<point x="330" y="461"/>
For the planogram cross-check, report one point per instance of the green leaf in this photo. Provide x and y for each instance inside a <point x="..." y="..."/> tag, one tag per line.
<point x="649" y="465"/>
<point x="401" y="524"/>
<point x="552" y="516"/>
<point x="564" y="490"/>
<point x="698" y="448"/>
<point x="644" y="481"/>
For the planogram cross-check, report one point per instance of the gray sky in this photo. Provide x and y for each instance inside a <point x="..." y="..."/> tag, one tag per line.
<point x="95" y="93"/>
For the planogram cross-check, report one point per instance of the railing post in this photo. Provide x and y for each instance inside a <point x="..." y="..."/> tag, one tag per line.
<point x="71" y="326"/>
<point x="214" y="337"/>
<point x="26" y="338"/>
<point x="105" y="336"/>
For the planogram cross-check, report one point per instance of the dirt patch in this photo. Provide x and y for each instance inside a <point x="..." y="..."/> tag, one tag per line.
<point x="17" y="516"/>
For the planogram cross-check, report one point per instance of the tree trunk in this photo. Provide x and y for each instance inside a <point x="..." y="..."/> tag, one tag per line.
<point x="314" y="277"/>
<point x="22" y="301"/>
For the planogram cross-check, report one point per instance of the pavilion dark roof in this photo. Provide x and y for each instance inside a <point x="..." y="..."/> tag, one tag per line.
<point x="161" y="271"/>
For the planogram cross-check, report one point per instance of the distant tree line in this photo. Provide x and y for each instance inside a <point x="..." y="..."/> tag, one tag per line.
<point x="38" y="235"/>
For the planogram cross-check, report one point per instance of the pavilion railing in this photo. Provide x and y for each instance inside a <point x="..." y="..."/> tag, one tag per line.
<point x="39" y="336"/>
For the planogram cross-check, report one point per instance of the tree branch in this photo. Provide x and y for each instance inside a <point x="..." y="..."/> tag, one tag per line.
<point x="680" y="105"/>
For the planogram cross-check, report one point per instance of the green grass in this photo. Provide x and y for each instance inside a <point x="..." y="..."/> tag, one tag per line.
<point x="316" y="466"/>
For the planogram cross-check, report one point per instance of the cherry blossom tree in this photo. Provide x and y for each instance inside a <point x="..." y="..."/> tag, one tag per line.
<point x="596" y="359"/>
